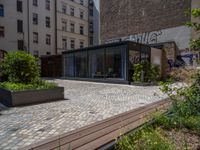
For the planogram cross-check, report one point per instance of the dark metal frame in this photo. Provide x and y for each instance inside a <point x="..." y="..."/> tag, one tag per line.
<point x="128" y="45"/>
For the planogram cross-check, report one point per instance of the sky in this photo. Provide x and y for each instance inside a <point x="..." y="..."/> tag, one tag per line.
<point x="96" y="3"/>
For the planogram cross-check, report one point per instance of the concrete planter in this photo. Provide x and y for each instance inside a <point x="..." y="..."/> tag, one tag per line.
<point x="18" y="98"/>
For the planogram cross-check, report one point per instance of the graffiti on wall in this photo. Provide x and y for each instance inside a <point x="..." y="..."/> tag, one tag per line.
<point x="145" y="38"/>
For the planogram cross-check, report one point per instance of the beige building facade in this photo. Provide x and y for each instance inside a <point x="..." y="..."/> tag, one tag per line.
<point x="45" y="27"/>
<point x="72" y="24"/>
<point x="28" y="25"/>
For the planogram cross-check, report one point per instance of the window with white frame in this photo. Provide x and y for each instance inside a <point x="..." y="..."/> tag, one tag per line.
<point x="72" y="43"/>
<point x="48" y="22"/>
<point x="72" y="27"/>
<point x="35" y="37"/>
<point x="48" y="39"/>
<point x="81" y="2"/>
<point x="81" y="44"/>
<point x="72" y="11"/>
<point x="35" y="2"/>
<point x="64" y="25"/>
<point x="81" y="14"/>
<point x="35" y="18"/>
<point x="64" y="8"/>
<point x="81" y="30"/>
<point x="64" y="43"/>
<point x="48" y="4"/>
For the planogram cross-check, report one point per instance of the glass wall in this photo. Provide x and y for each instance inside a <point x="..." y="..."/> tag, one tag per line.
<point x="69" y="65"/>
<point x="145" y="53"/>
<point x="109" y="62"/>
<point x="81" y="65"/>
<point x="96" y="63"/>
<point x="115" y="63"/>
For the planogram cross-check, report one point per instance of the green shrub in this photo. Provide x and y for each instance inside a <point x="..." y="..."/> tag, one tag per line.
<point x="145" y="139"/>
<point x="20" y="67"/>
<point x="31" y="86"/>
<point x="146" y="72"/>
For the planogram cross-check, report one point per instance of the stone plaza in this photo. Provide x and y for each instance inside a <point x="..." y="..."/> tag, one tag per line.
<point x="85" y="103"/>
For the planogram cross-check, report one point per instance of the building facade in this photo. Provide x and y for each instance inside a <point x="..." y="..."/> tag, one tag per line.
<point x="44" y="27"/>
<point x="160" y="23"/>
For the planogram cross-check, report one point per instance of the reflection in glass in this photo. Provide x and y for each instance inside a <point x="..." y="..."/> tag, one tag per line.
<point x="115" y="61"/>
<point x="69" y="66"/>
<point x="134" y="57"/>
<point x="96" y="64"/>
<point x="81" y="64"/>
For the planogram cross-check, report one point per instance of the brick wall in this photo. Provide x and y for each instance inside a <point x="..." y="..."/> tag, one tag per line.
<point x="126" y="17"/>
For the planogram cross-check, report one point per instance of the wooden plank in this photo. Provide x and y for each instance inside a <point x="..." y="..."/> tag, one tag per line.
<point x="101" y="132"/>
<point x="100" y="125"/>
<point x="110" y="128"/>
<point x="112" y="135"/>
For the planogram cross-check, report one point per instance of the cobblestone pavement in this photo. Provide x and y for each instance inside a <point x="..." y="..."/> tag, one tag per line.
<point x="85" y="103"/>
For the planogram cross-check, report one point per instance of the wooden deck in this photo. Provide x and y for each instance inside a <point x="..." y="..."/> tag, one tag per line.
<point x="100" y="133"/>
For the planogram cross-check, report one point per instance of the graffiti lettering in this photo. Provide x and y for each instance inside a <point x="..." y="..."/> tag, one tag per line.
<point x="145" y="38"/>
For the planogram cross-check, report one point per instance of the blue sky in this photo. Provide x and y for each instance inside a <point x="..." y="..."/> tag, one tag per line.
<point x="96" y="3"/>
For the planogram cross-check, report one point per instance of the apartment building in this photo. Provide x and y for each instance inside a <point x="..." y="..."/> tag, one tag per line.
<point x="44" y="27"/>
<point x="72" y="24"/>
<point x="27" y="25"/>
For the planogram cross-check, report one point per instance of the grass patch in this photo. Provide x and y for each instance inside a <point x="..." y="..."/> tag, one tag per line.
<point x="148" y="138"/>
<point x="171" y="121"/>
<point x="31" y="86"/>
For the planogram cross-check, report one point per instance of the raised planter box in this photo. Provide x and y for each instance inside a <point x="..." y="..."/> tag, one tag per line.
<point x="18" y="98"/>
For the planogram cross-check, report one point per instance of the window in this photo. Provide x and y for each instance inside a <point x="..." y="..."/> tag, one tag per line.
<point x="20" y="45"/>
<point x="81" y="44"/>
<point x="72" y="0"/>
<point x="115" y="62"/>
<point x="1" y="10"/>
<point x="72" y="11"/>
<point x="35" y="18"/>
<point x="2" y="32"/>
<point x="91" y="27"/>
<point x="81" y="30"/>
<point x="72" y="27"/>
<point x="48" y="4"/>
<point x="81" y="2"/>
<point x="35" y="37"/>
<point x="96" y="63"/>
<point x="35" y="3"/>
<point x="64" y="9"/>
<point x="64" y="43"/>
<point x="91" y="12"/>
<point x="36" y="53"/>
<point x="19" y="6"/>
<point x="48" y="53"/>
<point x="91" y="40"/>
<point x="64" y="25"/>
<point x="81" y="64"/>
<point x="81" y="14"/>
<point x="19" y="26"/>
<point x="72" y="42"/>
<point x="48" y="39"/>
<point x="48" y="22"/>
<point x="69" y="65"/>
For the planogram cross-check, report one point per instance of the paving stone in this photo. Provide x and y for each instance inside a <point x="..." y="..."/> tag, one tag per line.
<point x="86" y="103"/>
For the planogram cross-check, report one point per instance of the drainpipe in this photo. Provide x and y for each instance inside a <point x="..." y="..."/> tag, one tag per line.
<point x="56" y="40"/>
<point x="28" y="27"/>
